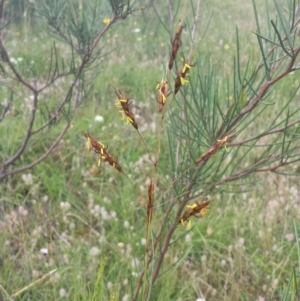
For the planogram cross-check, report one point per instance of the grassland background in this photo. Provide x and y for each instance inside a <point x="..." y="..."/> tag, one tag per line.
<point x="83" y="214"/>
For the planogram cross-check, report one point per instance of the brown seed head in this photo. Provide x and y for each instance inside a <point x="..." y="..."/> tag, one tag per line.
<point x="181" y="76"/>
<point x="163" y="93"/>
<point x="123" y="104"/>
<point x="197" y="208"/>
<point x="176" y="43"/>
<point x="213" y="149"/>
<point x="99" y="148"/>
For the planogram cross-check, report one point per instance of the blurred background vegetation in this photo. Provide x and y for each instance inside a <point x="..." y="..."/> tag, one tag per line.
<point x="90" y="218"/>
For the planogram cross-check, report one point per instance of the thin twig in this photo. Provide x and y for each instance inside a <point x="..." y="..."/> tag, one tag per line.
<point x="171" y="16"/>
<point x="194" y="27"/>
<point x="19" y="78"/>
<point x="274" y="131"/>
<point x="263" y="90"/>
<point x="40" y="159"/>
<point x="33" y="283"/>
<point x="27" y="135"/>
<point x="6" y="293"/>
<point x="5" y="110"/>
<point x="106" y="27"/>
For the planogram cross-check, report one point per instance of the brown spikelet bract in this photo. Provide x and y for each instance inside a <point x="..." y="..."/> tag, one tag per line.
<point x="176" y="43"/>
<point x="123" y="104"/>
<point x="99" y="148"/>
<point x="150" y="202"/>
<point x="197" y="208"/>
<point x="163" y="93"/>
<point x="213" y="149"/>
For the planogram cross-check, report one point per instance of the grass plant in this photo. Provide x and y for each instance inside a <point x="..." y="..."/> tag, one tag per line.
<point x="219" y="119"/>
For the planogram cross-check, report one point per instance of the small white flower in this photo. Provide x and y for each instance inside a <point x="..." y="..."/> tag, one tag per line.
<point x="275" y="283"/>
<point x="65" y="219"/>
<point x="45" y="199"/>
<point x="143" y="241"/>
<point x="35" y="274"/>
<point x="129" y="249"/>
<point x="241" y="241"/>
<point x="289" y="236"/>
<point x="126" y="297"/>
<point x="104" y="213"/>
<point x="203" y="258"/>
<point x="90" y="199"/>
<point x="188" y="238"/>
<point x="22" y="211"/>
<point x="44" y="251"/>
<point x="99" y="118"/>
<point x="63" y="293"/>
<point x="209" y="231"/>
<point x="136" y="30"/>
<point x="65" y="206"/>
<point x="94" y="251"/>
<point x="97" y="208"/>
<point x="27" y="178"/>
<point x="135" y="262"/>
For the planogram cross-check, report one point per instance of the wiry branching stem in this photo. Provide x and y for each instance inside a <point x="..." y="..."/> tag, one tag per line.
<point x="224" y="137"/>
<point x="77" y="86"/>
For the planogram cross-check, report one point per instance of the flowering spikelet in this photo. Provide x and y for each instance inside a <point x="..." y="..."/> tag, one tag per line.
<point x="123" y="104"/>
<point x="163" y="93"/>
<point x="99" y="148"/>
<point x="197" y="208"/>
<point x="181" y="76"/>
<point x="176" y="43"/>
<point x="213" y="149"/>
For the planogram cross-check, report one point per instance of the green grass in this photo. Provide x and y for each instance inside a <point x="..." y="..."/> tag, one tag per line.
<point x="92" y="220"/>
